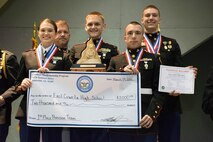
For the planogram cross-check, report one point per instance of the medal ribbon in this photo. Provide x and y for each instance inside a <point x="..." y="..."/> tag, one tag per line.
<point x="99" y="44"/>
<point x="48" y="55"/>
<point x="138" y="57"/>
<point x="153" y="48"/>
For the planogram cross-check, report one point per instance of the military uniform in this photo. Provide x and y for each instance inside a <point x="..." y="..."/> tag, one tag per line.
<point x="169" y="120"/>
<point x="65" y="49"/>
<point x="29" y="61"/>
<point x="105" y="52"/>
<point x="207" y="104"/>
<point x="152" y="100"/>
<point x="8" y="73"/>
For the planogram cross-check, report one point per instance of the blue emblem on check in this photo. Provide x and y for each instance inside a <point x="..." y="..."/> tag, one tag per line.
<point x="84" y="84"/>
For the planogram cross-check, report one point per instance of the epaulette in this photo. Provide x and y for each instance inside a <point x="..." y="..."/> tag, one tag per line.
<point x="3" y="63"/>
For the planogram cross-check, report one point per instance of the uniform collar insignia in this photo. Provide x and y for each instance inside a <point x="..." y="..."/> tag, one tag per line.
<point x="146" y="59"/>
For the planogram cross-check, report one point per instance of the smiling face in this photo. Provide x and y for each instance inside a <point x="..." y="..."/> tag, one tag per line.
<point x="150" y="20"/>
<point x="46" y="33"/>
<point x="133" y="36"/>
<point x="94" y="26"/>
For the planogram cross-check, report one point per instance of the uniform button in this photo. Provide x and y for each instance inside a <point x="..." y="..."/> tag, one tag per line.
<point x="156" y="112"/>
<point x="153" y="116"/>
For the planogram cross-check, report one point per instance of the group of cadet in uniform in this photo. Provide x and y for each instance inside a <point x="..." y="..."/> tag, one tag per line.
<point x="146" y="50"/>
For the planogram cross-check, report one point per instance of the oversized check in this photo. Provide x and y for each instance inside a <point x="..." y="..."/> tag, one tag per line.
<point x="84" y="99"/>
<point x="180" y="79"/>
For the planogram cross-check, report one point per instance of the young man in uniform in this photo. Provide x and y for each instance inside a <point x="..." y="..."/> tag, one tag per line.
<point x="134" y="60"/>
<point x="94" y="26"/>
<point x="170" y="54"/>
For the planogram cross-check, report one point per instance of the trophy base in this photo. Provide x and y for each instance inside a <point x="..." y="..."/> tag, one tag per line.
<point x="88" y="67"/>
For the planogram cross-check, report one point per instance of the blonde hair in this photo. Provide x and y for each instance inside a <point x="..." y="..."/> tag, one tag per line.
<point x="62" y="22"/>
<point x="97" y="14"/>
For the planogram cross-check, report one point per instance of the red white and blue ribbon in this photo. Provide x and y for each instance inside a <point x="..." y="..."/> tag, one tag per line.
<point x="155" y="48"/>
<point x="138" y="57"/>
<point x="48" y="56"/>
<point x="99" y="44"/>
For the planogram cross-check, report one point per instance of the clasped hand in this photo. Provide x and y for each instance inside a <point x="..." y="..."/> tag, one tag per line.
<point x="146" y="121"/>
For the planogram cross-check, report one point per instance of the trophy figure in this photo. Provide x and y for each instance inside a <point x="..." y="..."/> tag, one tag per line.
<point x="89" y="61"/>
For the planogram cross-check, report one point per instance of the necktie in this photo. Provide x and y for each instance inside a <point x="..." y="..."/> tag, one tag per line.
<point x="45" y="52"/>
<point x="44" y="56"/>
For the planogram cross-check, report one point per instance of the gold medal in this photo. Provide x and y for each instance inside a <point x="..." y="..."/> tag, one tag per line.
<point x="165" y="47"/>
<point x="133" y="56"/>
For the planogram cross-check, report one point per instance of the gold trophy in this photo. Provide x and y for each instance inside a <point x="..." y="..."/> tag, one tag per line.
<point x="89" y="61"/>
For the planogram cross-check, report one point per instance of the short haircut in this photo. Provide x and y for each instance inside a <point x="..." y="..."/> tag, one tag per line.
<point x="134" y="23"/>
<point x="97" y="14"/>
<point x="151" y="6"/>
<point x="62" y="22"/>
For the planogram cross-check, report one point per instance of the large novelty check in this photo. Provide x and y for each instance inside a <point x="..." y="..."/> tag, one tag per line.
<point x="84" y="99"/>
